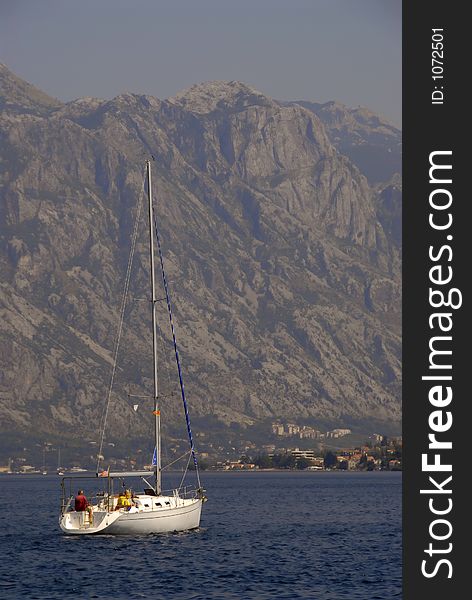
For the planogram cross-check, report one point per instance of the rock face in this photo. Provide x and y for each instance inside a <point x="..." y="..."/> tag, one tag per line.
<point x="283" y="260"/>
<point x="373" y="144"/>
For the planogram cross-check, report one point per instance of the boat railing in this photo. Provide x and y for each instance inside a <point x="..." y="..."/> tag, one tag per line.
<point x="100" y="499"/>
<point x="106" y="500"/>
<point x="187" y="491"/>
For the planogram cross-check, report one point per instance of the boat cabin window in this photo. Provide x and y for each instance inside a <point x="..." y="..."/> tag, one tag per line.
<point x="167" y="503"/>
<point x="146" y="505"/>
<point x="157" y="504"/>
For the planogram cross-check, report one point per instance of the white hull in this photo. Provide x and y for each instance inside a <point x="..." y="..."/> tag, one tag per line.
<point x="133" y="522"/>
<point x="177" y="519"/>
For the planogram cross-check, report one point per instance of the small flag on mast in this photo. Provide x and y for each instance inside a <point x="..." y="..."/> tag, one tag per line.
<point x="154" y="457"/>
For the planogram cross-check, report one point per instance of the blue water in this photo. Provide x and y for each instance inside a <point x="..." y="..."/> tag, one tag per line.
<point x="322" y="536"/>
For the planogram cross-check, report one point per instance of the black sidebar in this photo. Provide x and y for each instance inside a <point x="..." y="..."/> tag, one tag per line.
<point x="437" y="361"/>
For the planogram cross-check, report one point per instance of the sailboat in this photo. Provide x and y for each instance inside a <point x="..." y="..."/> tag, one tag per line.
<point x="43" y="471"/>
<point x="151" y="510"/>
<point x="59" y="469"/>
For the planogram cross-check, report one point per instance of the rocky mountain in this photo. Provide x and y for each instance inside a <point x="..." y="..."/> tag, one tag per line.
<point x="283" y="253"/>
<point x="373" y="144"/>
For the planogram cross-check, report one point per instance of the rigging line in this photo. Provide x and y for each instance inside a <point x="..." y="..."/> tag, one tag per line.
<point x="120" y="327"/>
<point x="166" y="360"/>
<point x="176" y="460"/>
<point x="176" y="351"/>
<point x="185" y="472"/>
<point x="167" y="372"/>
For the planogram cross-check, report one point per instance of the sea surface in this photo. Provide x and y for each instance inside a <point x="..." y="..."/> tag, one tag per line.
<point x="284" y="535"/>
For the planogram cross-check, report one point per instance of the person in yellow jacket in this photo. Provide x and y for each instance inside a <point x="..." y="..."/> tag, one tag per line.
<point x="124" y="500"/>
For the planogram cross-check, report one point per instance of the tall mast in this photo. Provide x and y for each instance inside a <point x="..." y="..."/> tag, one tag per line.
<point x="157" y="415"/>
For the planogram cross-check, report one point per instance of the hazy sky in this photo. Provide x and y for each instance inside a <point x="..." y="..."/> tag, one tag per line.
<point x="346" y="50"/>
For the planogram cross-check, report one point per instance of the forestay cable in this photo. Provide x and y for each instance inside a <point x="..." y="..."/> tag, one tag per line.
<point x="176" y="352"/>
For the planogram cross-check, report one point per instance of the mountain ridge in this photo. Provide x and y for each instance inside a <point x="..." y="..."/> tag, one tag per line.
<point x="284" y="256"/>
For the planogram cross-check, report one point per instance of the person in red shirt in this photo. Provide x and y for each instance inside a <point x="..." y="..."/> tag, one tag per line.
<point x="81" y="504"/>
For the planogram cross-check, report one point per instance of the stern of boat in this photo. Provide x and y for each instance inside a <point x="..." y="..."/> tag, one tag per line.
<point x="84" y="522"/>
